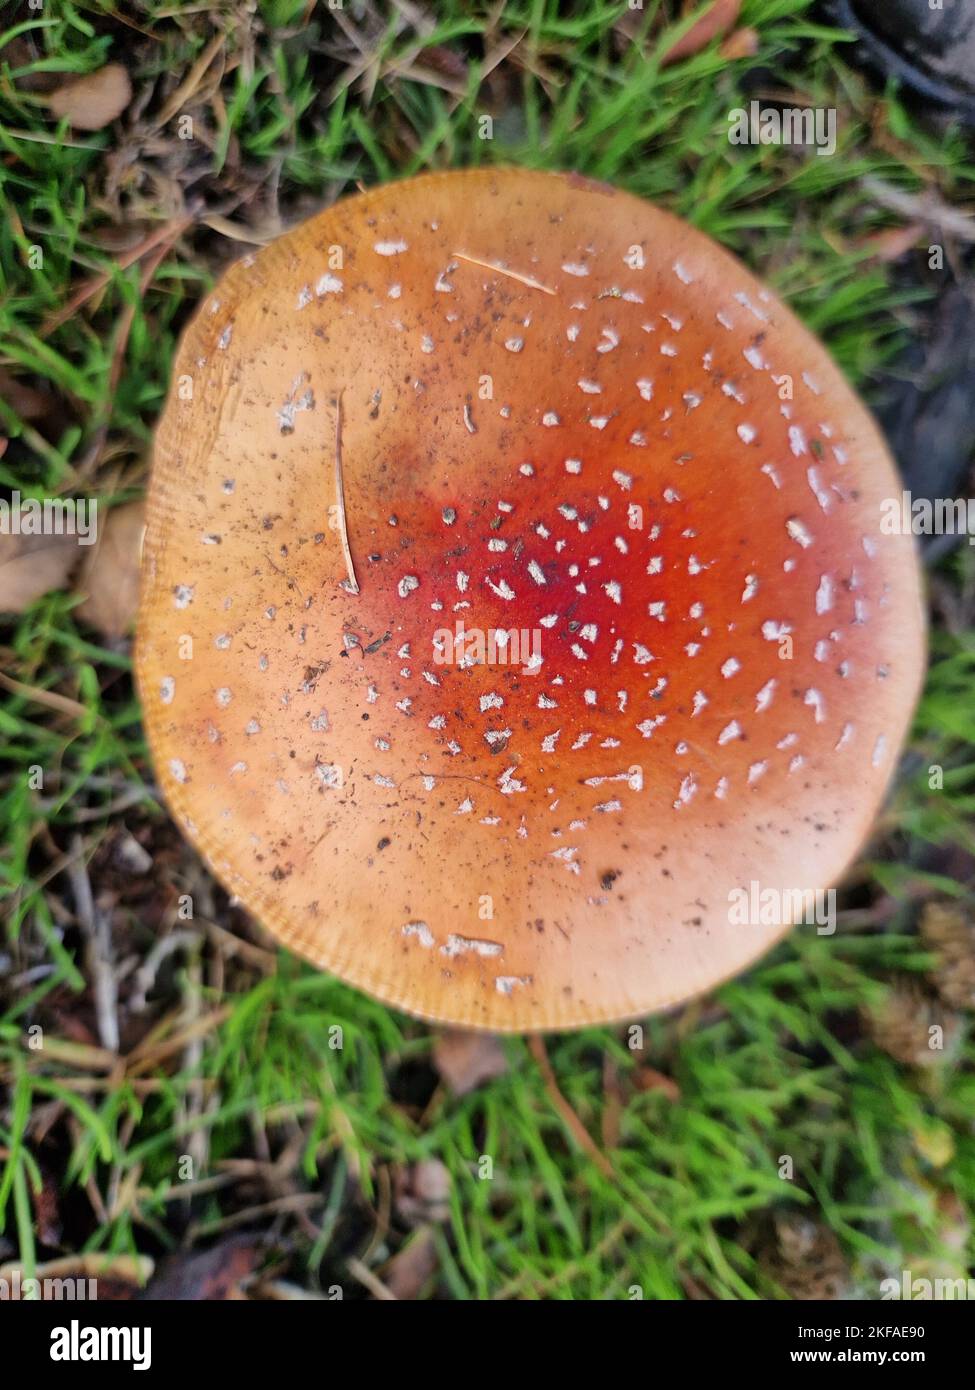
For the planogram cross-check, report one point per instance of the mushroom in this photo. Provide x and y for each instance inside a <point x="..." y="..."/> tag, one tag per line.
<point x="515" y="599"/>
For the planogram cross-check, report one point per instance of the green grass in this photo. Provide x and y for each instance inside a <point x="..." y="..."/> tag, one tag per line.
<point x="778" y="1063"/>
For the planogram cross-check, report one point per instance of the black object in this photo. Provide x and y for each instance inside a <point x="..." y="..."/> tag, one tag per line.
<point x="932" y="51"/>
<point x="924" y="405"/>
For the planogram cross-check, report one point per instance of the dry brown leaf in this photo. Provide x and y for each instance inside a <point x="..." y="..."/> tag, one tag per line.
<point x="93" y="101"/>
<point x="466" y="1060"/>
<point x="216" y="1275"/>
<point x="110" y="577"/>
<point x="31" y="566"/>
<point x="27" y="402"/>
<point x="718" y="20"/>
<point x="423" y="1192"/>
<point x="741" y="43"/>
<point x="649" y="1079"/>
<point x="893" y="242"/>
<point x="47" y="1211"/>
<point x="410" y="1268"/>
<point x="444" y="60"/>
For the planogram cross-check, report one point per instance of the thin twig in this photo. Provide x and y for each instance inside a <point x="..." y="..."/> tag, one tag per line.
<point x="95" y="928"/>
<point x="372" y="1282"/>
<point x="145" y="976"/>
<point x="40" y="138"/>
<point x="340" y="495"/>
<point x="120" y="343"/>
<point x="227" y="943"/>
<point x="143" y="1059"/>
<point x="133" y="796"/>
<point x="925" y="207"/>
<point x="293" y="1203"/>
<point x="51" y="698"/>
<point x="503" y="270"/>
<point x="139" y="1086"/>
<point x="191" y="1103"/>
<point x="235" y="231"/>
<point x="572" y="1121"/>
<point x="194" y="77"/>
<point x="167" y="233"/>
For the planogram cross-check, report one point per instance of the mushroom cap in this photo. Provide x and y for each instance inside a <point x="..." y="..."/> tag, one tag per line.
<point x="557" y="411"/>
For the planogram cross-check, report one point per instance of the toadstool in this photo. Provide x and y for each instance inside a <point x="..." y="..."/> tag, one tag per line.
<point x="514" y="596"/>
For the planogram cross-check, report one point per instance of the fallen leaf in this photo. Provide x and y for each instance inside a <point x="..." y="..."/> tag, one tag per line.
<point x="26" y="402"/>
<point x="718" y="20"/>
<point x="466" y="1060"/>
<point x="110" y="575"/>
<point x="31" y="566"/>
<point x="423" y="1192"/>
<point x="20" y="53"/>
<point x="47" y="1214"/>
<point x="410" y="1268"/>
<point x="893" y="242"/>
<point x="741" y="43"/>
<point x="444" y="60"/>
<point x="214" y="1276"/>
<point x="649" y="1079"/>
<point x="130" y="856"/>
<point x="93" y="101"/>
